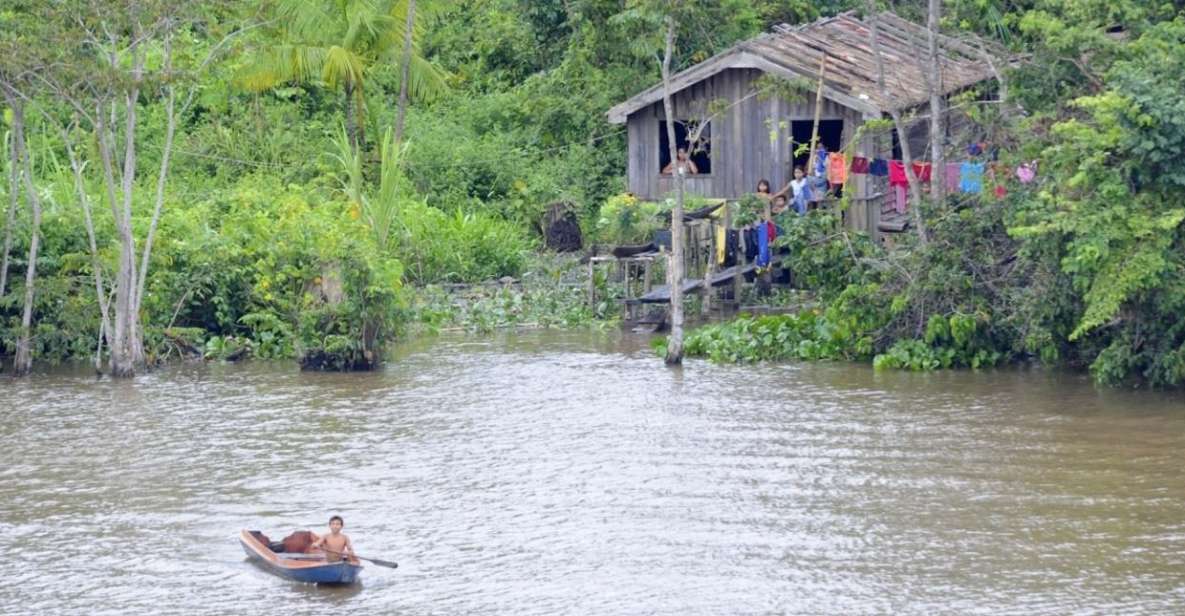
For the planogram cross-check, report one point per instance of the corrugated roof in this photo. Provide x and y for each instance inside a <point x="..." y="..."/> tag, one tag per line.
<point x="850" y="77"/>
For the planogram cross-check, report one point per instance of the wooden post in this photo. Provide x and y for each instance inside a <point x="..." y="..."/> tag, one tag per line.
<point x="647" y="264"/>
<point x="814" y="128"/>
<point x="592" y="282"/>
<point x="625" y="303"/>
<point x="738" y="280"/>
<point x="727" y="221"/>
<point x="623" y="274"/>
<point x="709" y="268"/>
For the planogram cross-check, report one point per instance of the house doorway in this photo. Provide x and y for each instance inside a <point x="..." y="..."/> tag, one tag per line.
<point x="830" y="135"/>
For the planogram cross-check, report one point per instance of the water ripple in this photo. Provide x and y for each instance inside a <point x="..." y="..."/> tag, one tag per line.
<point x="555" y="473"/>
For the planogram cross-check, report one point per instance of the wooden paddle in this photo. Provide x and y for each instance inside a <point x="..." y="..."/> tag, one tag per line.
<point x="381" y="563"/>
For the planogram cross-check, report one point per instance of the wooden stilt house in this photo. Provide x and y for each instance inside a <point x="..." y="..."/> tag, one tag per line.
<point x="749" y="136"/>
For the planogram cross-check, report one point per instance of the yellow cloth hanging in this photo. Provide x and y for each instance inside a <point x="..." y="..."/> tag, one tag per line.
<point x="720" y="244"/>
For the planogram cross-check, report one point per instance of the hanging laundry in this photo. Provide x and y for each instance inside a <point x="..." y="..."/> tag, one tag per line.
<point x="837" y="169"/>
<point x="821" y="161"/>
<point x="901" y="200"/>
<point x="971" y="177"/>
<point x="859" y="165"/>
<point x="763" y="255"/>
<point x="732" y="241"/>
<point x="1027" y="172"/>
<point x="878" y="167"/>
<point x="818" y="188"/>
<point x="952" y="177"/>
<point x="721" y="249"/>
<point x="897" y="174"/>
<point x="750" y="244"/>
<point x="922" y="171"/>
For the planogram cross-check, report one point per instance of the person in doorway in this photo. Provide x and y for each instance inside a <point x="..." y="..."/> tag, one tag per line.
<point x="682" y="163"/>
<point x="336" y="544"/>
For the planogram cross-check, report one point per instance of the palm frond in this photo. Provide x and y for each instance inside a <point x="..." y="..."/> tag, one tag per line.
<point x="278" y="65"/>
<point x="398" y="15"/>
<point x="367" y="26"/>
<point x="351" y="164"/>
<point x="383" y="209"/>
<point x="308" y="21"/>
<point x="341" y="67"/>
<point x="426" y="80"/>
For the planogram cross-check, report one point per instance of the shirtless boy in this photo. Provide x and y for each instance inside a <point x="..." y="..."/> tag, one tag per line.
<point x="336" y="544"/>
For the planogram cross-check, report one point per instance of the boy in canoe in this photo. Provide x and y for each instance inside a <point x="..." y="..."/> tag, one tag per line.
<point x="336" y="544"/>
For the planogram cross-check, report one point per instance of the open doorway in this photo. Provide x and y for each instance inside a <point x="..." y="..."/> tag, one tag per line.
<point x="830" y="136"/>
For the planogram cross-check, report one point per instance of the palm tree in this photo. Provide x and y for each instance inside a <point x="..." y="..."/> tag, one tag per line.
<point x="337" y="43"/>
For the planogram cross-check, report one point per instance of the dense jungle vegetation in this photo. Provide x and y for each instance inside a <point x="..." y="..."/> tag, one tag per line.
<point x="296" y="179"/>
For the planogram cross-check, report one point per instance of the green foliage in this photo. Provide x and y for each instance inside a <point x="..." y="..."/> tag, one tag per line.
<point x="336" y="44"/>
<point x="844" y="330"/>
<point x="748" y="210"/>
<point x="1111" y="210"/>
<point x="826" y="258"/>
<point x="551" y="293"/>
<point x="261" y="251"/>
<point x="625" y="219"/>
<point x="458" y="247"/>
<point x="349" y="334"/>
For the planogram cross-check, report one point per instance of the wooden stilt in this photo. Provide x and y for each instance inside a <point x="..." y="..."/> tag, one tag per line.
<point x="592" y="283"/>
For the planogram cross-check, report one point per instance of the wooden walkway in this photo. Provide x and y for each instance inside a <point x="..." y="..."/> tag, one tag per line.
<point x="662" y="293"/>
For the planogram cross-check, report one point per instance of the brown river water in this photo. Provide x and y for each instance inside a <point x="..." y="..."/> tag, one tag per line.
<point x="572" y="473"/>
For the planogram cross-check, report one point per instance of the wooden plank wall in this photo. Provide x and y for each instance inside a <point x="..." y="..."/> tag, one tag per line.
<point x="750" y="141"/>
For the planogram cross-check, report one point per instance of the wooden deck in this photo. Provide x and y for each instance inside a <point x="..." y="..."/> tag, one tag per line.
<point x="893" y="222"/>
<point x="662" y="293"/>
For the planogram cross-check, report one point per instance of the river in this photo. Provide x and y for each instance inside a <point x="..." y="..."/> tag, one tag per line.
<point x="572" y="473"/>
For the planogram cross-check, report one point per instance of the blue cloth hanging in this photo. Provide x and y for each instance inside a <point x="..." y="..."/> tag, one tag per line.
<point x="971" y="178"/>
<point x="763" y="255"/>
<point x="821" y="160"/>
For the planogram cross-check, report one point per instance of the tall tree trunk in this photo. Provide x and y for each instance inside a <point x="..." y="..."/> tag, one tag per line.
<point x="351" y="116"/>
<point x="915" y="187"/>
<point x="23" y="362"/>
<point x="405" y="70"/>
<point x="170" y="131"/>
<point x="125" y="293"/>
<point x="96" y="263"/>
<point x="121" y="364"/>
<point x="14" y="179"/>
<point x="937" y="119"/>
<point x="675" y="271"/>
<point x="127" y="346"/>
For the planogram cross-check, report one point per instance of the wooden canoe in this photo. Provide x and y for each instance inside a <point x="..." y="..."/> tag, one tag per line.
<point x="309" y="568"/>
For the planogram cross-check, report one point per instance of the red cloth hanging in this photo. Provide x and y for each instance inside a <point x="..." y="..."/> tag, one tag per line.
<point x="922" y="170"/>
<point x="859" y="165"/>
<point x="897" y="174"/>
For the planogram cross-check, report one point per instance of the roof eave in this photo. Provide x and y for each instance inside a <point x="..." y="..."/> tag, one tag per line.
<point x="737" y="57"/>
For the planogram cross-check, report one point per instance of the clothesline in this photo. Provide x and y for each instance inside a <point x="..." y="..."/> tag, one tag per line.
<point x="965" y="176"/>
